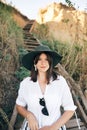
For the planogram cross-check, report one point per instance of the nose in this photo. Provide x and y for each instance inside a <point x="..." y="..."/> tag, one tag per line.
<point x="43" y="62"/>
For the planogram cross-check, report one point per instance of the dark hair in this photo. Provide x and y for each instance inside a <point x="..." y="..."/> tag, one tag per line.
<point x="50" y="71"/>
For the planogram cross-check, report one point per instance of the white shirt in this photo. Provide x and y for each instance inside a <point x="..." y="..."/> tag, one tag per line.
<point x="57" y="93"/>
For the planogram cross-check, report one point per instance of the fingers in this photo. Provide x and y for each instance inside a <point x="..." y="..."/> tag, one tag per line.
<point x="32" y="122"/>
<point x="33" y="126"/>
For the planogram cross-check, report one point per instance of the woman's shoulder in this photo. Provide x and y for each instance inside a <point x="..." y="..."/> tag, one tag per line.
<point x="26" y="80"/>
<point x="60" y="77"/>
<point x="62" y="81"/>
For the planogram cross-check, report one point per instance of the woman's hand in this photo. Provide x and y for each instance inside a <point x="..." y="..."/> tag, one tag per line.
<point x="32" y="121"/>
<point x="60" y="122"/>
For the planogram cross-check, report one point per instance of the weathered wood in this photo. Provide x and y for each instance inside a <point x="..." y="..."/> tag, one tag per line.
<point x="10" y="127"/>
<point x="80" y="108"/>
<point x="82" y="128"/>
<point x="73" y="124"/>
<point x="75" y="87"/>
<point x="84" y="116"/>
<point x="30" y="42"/>
<point x="13" y="119"/>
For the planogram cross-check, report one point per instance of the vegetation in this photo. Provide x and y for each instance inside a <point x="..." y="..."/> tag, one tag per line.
<point x="41" y="31"/>
<point x="69" y="3"/>
<point x="11" y="39"/>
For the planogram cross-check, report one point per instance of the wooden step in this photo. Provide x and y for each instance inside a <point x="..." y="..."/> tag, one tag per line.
<point x="29" y="49"/>
<point x="72" y="124"/>
<point x="30" y="42"/>
<point x="30" y="39"/>
<point x="82" y="128"/>
<point x="28" y="26"/>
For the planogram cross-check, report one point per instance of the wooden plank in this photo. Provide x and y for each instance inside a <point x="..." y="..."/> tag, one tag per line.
<point x="82" y="128"/>
<point x="13" y="119"/>
<point x="73" y="123"/>
<point x="75" y="89"/>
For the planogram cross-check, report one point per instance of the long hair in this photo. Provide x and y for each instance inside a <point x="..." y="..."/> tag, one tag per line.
<point x="50" y="72"/>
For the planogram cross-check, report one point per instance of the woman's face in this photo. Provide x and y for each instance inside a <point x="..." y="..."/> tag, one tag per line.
<point x="42" y="64"/>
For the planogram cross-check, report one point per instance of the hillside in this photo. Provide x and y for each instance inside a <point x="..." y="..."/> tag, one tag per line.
<point x="11" y="41"/>
<point x="64" y="23"/>
<point x="15" y="41"/>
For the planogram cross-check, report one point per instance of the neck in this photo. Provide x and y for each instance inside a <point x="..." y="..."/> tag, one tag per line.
<point x="42" y="82"/>
<point x="42" y="77"/>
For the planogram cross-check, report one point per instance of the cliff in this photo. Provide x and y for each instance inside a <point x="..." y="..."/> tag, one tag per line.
<point x="64" y="23"/>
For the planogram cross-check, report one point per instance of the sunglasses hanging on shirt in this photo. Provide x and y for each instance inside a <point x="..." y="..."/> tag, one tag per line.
<point x="44" y="110"/>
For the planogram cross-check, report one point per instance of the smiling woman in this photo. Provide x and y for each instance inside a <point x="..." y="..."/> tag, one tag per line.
<point x="44" y="92"/>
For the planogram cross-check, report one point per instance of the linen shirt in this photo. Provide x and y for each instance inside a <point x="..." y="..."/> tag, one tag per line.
<point x="57" y="93"/>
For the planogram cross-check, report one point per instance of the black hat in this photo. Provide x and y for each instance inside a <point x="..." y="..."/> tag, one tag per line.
<point x="28" y="59"/>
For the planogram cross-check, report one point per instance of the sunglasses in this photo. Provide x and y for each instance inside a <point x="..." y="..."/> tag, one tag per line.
<point x="44" y="110"/>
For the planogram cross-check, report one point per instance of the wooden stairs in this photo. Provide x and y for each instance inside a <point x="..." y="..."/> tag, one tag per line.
<point x="30" y="42"/>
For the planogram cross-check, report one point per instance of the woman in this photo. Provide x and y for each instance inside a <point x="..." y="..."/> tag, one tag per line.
<point x="43" y="93"/>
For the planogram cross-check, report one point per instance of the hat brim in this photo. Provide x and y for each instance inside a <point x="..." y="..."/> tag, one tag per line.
<point x="28" y="59"/>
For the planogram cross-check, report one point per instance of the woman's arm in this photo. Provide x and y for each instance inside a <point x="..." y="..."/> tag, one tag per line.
<point x="63" y="119"/>
<point x="60" y="122"/>
<point x="22" y="111"/>
<point x="32" y="121"/>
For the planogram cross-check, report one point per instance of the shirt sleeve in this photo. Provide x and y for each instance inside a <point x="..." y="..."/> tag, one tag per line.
<point x="67" y="100"/>
<point x="21" y="96"/>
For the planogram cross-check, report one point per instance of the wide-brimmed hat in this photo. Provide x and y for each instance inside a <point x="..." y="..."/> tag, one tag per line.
<point x="28" y="59"/>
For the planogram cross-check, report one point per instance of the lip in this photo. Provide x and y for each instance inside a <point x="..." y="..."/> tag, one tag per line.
<point x="43" y="66"/>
